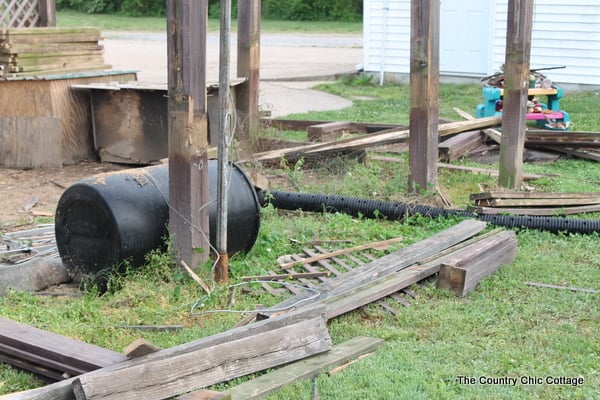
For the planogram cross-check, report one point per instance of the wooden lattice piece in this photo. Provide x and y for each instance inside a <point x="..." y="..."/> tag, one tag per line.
<point x="19" y="13"/>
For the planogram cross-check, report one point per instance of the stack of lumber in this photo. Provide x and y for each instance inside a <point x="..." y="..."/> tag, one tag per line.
<point x="535" y="203"/>
<point x="584" y="145"/>
<point x="38" y="51"/>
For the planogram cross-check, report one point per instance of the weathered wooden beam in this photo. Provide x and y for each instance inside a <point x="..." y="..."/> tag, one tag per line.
<point x="304" y="369"/>
<point x="63" y="391"/>
<point x="491" y="172"/>
<point x="195" y="370"/>
<point x="371" y="140"/>
<point x="38" y="350"/>
<point x="462" y="275"/>
<point x="459" y="145"/>
<point x="544" y="211"/>
<point x="204" y="394"/>
<point x="188" y="132"/>
<point x="248" y="65"/>
<point x="572" y="139"/>
<point x="424" y="93"/>
<point x="516" y="85"/>
<point x="493" y="134"/>
<point x="316" y="133"/>
<point x="140" y="347"/>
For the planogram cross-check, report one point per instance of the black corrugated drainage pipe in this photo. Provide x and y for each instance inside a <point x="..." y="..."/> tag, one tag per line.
<point x="370" y="208"/>
<point x="106" y="219"/>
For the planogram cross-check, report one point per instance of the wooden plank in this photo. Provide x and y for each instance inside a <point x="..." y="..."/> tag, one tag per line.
<point x="462" y="276"/>
<point x="534" y="195"/>
<point x="49" y="48"/>
<point x="546" y="211"/>
<point x="491" y="172"/>
<point x="459" y="145"/>
<point x="140" y="347"/>
<point x="70" y="356"/>
<point x="492" y="134"/>
<point x="538" y="202"/>
<point x="45" y="31"/>
<point x="371" y="140"/>
<point x="198" y="369"/>
<point x="516" y="83"/>
<point x="424" y="93"/>
<point x="376" y="289"/>
<point x="204" y="394"/>
<point x="573" y="139"/>
<point x="372" y="245"/>
<point x="280" y="277"/>
<point x="62" y="390"/>
<point x="316" y="133"/>
<point x="583" y="153"/>
<point x="305" y="369"/>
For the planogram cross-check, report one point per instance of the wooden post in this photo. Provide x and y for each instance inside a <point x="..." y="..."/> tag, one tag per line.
<point x="424" y="91"/>
<point x="188" y="130"/>
<point x="516" y="84"/>
<point x="248" y="65"/>
<point x="47" y="12"/>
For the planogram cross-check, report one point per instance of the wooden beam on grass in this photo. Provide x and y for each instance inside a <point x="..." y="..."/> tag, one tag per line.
<point x="63" y="390"/>
<point x="49" y="354"/>
<point x="516" y="85"/>
<point x="305" y="369"/>
<point x="159" y="379"/>
<point x="424" y="94"/>
<point x="462" y="276"/>
<point x="188" y="129"/>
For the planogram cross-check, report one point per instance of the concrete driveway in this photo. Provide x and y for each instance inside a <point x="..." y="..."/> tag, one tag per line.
<point x="290" y="65"/>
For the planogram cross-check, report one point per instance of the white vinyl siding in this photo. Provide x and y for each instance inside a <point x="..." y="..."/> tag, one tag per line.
<point x="565" y="32"/>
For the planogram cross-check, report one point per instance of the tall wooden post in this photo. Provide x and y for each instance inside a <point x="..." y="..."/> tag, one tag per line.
<point x="516" y="84"/>
<point x="47" y="12"/>
<point x="188" y="129"/>
<point x="424" y="93"/>
<point x="248" y="64"/>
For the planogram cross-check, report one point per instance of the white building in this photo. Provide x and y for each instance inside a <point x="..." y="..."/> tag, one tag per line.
<point x="473" y="39"/>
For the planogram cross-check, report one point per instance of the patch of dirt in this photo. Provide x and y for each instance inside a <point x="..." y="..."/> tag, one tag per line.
<point x="31" y="193"/>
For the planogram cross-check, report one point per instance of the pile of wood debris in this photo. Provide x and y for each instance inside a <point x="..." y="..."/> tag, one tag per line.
<point x="291" y="335"/>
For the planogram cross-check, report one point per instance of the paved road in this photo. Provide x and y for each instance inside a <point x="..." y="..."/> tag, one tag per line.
<point x="290" y="64"/>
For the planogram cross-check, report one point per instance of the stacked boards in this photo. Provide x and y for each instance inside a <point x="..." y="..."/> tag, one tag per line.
<point x="39" y="51"/>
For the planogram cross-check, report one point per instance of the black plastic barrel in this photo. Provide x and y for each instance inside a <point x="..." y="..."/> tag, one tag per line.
<point x="107" y="219"/>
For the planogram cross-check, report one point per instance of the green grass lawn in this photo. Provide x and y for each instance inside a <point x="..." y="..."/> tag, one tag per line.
<point x="155" y="24"/>
<point x="503" y="329"/>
